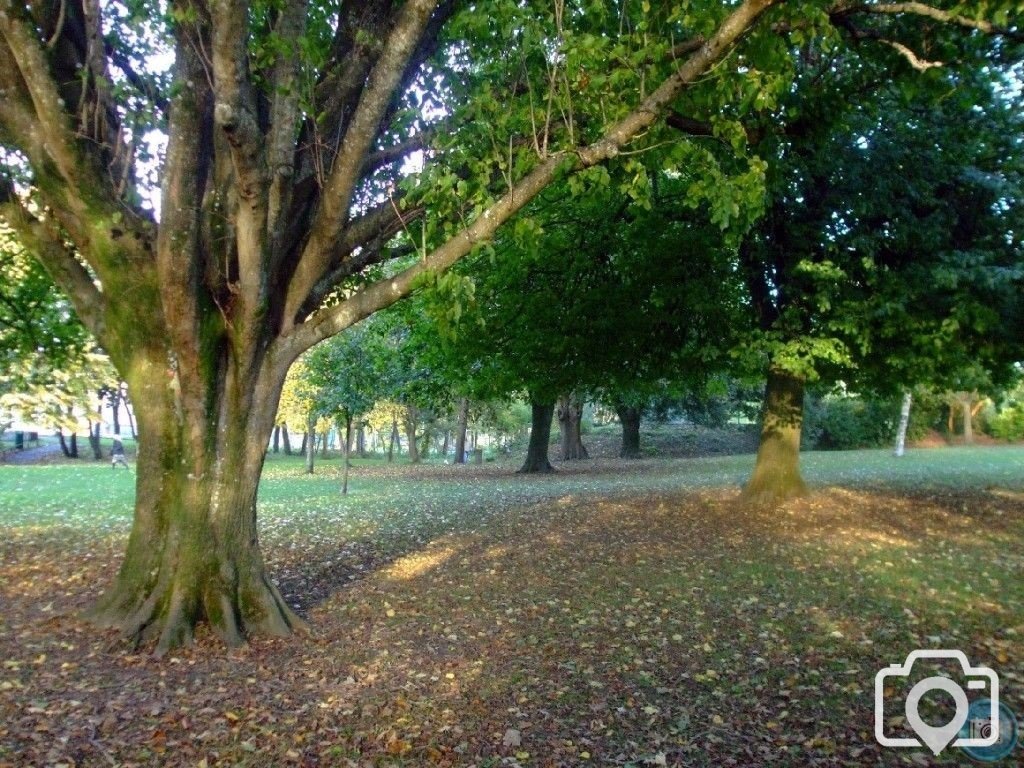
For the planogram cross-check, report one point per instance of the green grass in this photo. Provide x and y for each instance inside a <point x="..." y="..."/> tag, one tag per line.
<point x="92" y="495"/>
<point x="462" y="601"/>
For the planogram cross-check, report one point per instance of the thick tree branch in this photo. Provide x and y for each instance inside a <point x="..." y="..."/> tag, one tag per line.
<point x="44" y="242"/>
<point x="284" y="113"/>
<point x="364" y="302"/>
<point x="53" y="122"/>
<point x="235" y="114"/>
<point x="360" y="134"/>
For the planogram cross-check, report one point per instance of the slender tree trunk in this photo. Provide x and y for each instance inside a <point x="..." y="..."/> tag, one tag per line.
<point x="411" y="419"/>
<point x="277" y="439"/>
<point x="901" y="430"/>
<point x="63" y="443"/>
<point x="286" y="443"/>
<point x="445" y="444"/>
<point x="115" y="412"/>
<point x="130" y="413"/>
<point x="777" y="470"/>
<point x="347" y="449"/>
<point x="94" y="441"/>
<point x="391" y="442"/>
<point x="193" y="552"/>
<point x="302" y="446"/>
<point x="361" y="440"/>
<point x="323" y="443"/>
<point x="73" y="445"/>
<point x="540" y="436"/>
<point x="460" y="431"/>
<point x="570" y="418"/>
<point x="310" y="442"/>
<point x="629" y="418"/>
<point x="965" y="405"/>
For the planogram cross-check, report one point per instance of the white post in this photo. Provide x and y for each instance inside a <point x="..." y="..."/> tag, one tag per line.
<point x="901" y="432"/>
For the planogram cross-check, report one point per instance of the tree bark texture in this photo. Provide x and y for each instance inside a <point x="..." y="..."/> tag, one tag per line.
<point x="570" y="423"/>
<point x="629" y="419"/>
<point x="968" y="417"/>
<point x="776" y="474"/>
<point x="310" y="443"/>
<point x="542" y="414"/>
<point x="285" y="441"/>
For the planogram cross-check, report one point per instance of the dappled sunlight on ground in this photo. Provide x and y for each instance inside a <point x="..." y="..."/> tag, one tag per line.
<point x="488" y="628"/>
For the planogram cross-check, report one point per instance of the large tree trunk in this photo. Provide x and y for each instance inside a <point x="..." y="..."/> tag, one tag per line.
<point x="540" y="437"/>
<point x="629" y="418"/>
<point x="777" y="470"/>
<point x="570" y="418"/>
<point x="460" y="431"/>
<point x="901" y="430"/>
<point x="193" y="552"/>
<point x="286" y="442"/>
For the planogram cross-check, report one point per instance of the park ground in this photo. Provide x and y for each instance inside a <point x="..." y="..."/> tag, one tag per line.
<point x="613" y="614"/>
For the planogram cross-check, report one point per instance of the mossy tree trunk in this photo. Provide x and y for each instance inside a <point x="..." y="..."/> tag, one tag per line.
<point x="540" y="439"/>
<point x="193" y="553"/>
<point x="777" y="469"/>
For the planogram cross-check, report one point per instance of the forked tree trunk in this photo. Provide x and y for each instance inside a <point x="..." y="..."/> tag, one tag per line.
<point x="540" y="436"/>
<point x="777" y="470"/>
<point x="570" y="422"/>
<point x="901" y="430"/>
<point x="193" y="552"/>
<point x="460" y="431"/>
<point x="629" y="418"/>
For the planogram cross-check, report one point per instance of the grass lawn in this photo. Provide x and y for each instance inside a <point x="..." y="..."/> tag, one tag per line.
<point x="612" y="614"/>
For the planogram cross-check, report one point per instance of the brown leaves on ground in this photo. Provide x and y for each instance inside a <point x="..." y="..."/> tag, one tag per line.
<point x="645" y="630"/>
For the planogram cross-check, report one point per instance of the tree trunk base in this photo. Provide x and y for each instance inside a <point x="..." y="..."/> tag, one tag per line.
<point x="169" y="610"/>
<point x="769" y="491"/>
<point x="536" y="467"/>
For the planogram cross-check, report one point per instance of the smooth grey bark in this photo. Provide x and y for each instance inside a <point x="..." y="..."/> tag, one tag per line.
<point x="901" y="430"/>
